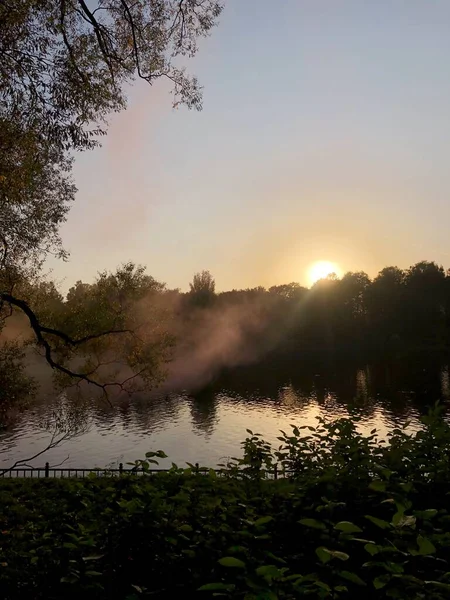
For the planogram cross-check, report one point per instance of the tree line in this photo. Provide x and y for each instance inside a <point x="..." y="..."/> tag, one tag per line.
<point x="397" y="313"/>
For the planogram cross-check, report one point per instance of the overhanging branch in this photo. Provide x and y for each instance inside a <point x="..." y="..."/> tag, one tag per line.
<point x="39" y="331"/>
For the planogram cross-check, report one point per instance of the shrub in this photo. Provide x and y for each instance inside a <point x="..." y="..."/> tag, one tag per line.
<point x="348" y="517"/>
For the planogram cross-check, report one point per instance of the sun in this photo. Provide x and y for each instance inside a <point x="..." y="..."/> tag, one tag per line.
<point x="321" y="269"/>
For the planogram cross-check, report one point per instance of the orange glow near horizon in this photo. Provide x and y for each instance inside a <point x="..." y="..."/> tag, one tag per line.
<point x="321" y="269"/>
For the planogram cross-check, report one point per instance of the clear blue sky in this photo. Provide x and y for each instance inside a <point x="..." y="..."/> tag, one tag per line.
<point x="325" y="135"/>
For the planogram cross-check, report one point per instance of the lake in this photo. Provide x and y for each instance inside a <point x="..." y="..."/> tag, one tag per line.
<point x="207" y="426"/>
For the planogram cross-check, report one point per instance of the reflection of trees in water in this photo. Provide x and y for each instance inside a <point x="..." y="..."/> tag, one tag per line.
<point x="445" y="382"/>
<point x="64" y="417"/>
<point x="204" y="411"/>
<point x="291" y="398"/>
<point x="340" y="390"/>
<point x="404" y="389"/>
<point x="398" y="390"/>
<point x="147" y="413"/>
<point x="362" y="384"/>
<point x="401" y="389"/>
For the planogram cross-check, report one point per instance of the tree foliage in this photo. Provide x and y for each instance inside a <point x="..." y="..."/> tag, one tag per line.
<point x="355" y="318"/>
<point x="65" y="63"/>
<point x="202" y="289"/>
<point x="65" y="67"/>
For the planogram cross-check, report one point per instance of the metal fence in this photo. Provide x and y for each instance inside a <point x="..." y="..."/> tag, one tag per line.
<point x="47" y="471"/>
<point x="54" y="472"/>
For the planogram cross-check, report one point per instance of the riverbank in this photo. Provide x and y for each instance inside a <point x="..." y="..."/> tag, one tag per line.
<point x="354" y="518"/>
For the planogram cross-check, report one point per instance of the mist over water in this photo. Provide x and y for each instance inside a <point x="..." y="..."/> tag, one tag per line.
<point x="207" y="426"/>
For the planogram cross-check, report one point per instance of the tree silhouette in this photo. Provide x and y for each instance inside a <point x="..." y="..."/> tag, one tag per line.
<point x="202" y="289"/>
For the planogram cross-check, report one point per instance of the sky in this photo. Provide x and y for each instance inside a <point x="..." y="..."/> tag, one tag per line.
<point x="325" y="135"/>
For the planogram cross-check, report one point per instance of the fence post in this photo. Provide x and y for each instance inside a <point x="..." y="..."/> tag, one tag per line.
<point x="120" y="468"/>
<point x="47" y="469"/>
<point x="275" y="473"/>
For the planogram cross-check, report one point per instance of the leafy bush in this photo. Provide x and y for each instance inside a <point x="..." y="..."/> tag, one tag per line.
<point x="347" y="517"/>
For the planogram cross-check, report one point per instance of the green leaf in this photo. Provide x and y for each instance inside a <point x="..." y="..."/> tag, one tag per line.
<point x="322" y="585"/>
<point x="439" y="584"/>
<point x="378" y="522"/>
<point x="263" y="521"/>
<point x="427" y="514"/>
<point x="323" y="554"/>
<point x="230" y="561"/>
<point x="353" y="577"/>
<point x="185" y="528"/>
<point x="276" y="558"/>
<point x="70" y="546"/>
<point x="400" y="521"/>
<point x="93" y="574"/>
<point x="97" y="557"/>
<point x="312" y="523"/>
<point x="69" y="579"/>
<point x="268" y="571"/>
<point x="338" y="554"/>
<point x="293" y="577"/>
<point x="393" y="567"/>
<point x="381" y="581"/>
<point x="238" y="549"/>
<point x="348" y="527"/>
<point x="426" y="547"/>
<point x="263" y="595"/>
<point x="372" y="549"/>
<point x="216" y="587"/>
<point x="378" y="486"/>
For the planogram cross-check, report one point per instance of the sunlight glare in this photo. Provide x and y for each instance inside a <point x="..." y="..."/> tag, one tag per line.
<point x="321" y="269"/>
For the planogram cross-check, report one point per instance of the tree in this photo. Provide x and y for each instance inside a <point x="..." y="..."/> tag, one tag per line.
<point x="425" y="290"/>
<point x="36" y="191"/>
<point x="65" y="63"/>
<point x="133" y="352"/>
<point x="64" y="67"/>
<point x="385" y="301"/>
<point x="290" y="291"/>
<point x="202" y="289"/>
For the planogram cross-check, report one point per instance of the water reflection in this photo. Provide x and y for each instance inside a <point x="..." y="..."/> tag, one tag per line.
<point x="204" y="411"/>
<point x="445" y="382"/>
<point x="211" y="424"/>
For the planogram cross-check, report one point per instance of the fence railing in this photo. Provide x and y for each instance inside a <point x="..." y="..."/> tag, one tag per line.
<point x="55" y="472"/>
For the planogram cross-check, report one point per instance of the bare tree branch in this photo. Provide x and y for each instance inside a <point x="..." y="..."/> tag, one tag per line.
<point x="59" y="464"/>
<point x="37" y="327"/>
<point x="39" y="330"/>
<point x="23" y="461"/>
<point x="135" y="46"/>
